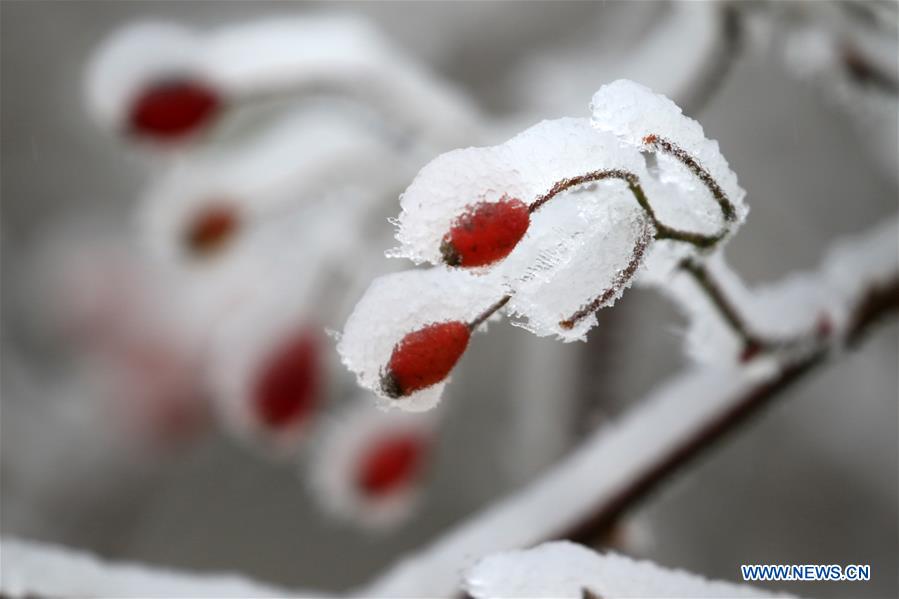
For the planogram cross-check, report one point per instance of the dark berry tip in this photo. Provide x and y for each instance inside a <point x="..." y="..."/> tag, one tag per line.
<point x="450" y="256"/>
<point x="390" y="386"/>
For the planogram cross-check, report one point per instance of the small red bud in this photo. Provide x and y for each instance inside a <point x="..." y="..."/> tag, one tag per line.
<point x="750" y="351"/>
<point x="424" y="357"/>
<point x="286" y="390"/>
<point x="391" y="464"/>
<point x="487" y="232"/>
<point x="211" y="229"/>
<point x="174" y="108"/>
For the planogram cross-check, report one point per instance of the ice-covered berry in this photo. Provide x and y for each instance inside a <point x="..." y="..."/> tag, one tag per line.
<point x="391" y="464"/>
<point x="424" y="357"/>
<point x="485" y="233"/>
<point x="286" y="390"/>
<point x="173" y="108"/>
<point x="211" y="229"/>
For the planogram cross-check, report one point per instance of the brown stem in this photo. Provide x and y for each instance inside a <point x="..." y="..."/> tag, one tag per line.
<point x="662" y="231"/>
<point x="667" y="147"/>
<point x="620" y="281"/>
<point x="483" y="316"/>
<point x="879" y="302"/>
<point x="716" y="295"/>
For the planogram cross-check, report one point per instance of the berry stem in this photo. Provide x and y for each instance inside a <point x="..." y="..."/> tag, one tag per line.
<point x="661" y="144"/>
<point x="723" y="305"/>
<point x="662" y="231"/>
<point x="483" y="316"/>
<point x="620" y="281"/>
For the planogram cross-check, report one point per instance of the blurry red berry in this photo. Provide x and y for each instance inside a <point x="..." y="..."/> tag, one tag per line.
<point x="824" y="326"/>
<point x="286" y="391"/>
<point x="424" y="357"/>
<point x="487" y="232"/>
<point x="750" y="351"/>
<point x="173" y="108"/>
<point x="211" y="229"/>
<point x="391" y="464"/>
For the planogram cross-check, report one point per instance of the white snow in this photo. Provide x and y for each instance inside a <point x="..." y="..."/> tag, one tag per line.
<point x="525" y="167"/>
<point x="339" y="445"/>
<point x="134" y="55"/>
<point x="31" y="568"/>
<point x="281" y="57"/>
<point x="401" y="303"/>
<point x="565" y="570"/>
<point x="578" y="248"/>
<point x="632" y="112"/>
<point x="619" y="454"/>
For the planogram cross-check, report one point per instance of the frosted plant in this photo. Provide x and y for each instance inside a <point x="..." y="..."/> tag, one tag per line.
<point x="171" y="84"/>
<point x="220" y="199"/>
<point x="368" y="466"/>
<point x="290" y="134"/>
<point x="557" y="223"/>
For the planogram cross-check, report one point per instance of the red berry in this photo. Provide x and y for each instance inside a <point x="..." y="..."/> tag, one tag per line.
<point x="487" y="232"/>
<point x="173" y="108"/>
<point x="286" y="390"/>
<point x="424" y="357"/>
<point x="211" y="229"/>
<point x="391" y="464"/>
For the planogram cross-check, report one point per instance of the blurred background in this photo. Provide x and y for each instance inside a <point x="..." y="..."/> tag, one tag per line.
<point x="169" y="392"/>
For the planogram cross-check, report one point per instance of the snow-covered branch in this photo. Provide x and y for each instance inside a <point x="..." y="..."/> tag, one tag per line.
<point x="565" y="570"/>
<point x="618" y="465"/>
<point x="31" y="569"/>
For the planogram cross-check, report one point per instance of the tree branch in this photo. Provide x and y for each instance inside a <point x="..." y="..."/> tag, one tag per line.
<point x="617" y="467"/>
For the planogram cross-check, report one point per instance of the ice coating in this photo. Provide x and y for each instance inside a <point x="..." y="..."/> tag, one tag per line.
<point x="444" y="189"/>
<point x="552" y="151"/>
<point x="524" y="168"/>
<point x="401" y="303"/>
<point x="583" y="250"/>
<point x="633" y="112"/>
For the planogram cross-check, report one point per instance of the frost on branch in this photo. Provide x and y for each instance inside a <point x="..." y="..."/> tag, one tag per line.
<point x="692" y="186"/>
<point x="368" y="465"/>
<point x="569" y="571"/>
<point x="561" y="217"/>
<point x="425" y="307"/>
<point x="32" y="569"/>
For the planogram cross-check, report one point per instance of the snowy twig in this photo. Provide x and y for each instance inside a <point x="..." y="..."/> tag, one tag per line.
<point x="31" y="569"/>
<point x="618" y="466"/>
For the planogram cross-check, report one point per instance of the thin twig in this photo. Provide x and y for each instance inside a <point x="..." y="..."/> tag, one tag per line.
<point x="726" y="308"/>
<point x="622" y="279"/>
<point x="661" y="144"/>
<point x="583" y="495"/>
